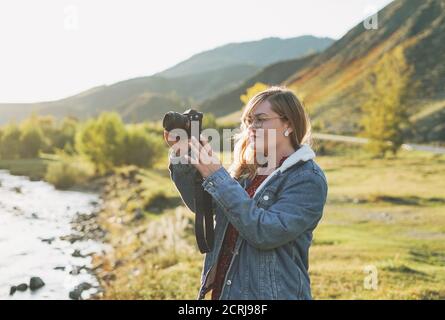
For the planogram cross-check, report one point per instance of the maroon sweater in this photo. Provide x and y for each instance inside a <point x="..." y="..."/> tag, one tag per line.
<point x="229" y="242"/>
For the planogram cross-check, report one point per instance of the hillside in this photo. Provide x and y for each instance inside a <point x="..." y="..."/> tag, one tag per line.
<point x="174" y="92"/>
<point x="254" y="53"/>
<point x="147" y="98"/>
<point x="409" y="45"/>
<point x="230" y="102"/>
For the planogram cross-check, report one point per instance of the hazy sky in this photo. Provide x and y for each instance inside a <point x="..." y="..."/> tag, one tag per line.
<point x="50" y="49"/>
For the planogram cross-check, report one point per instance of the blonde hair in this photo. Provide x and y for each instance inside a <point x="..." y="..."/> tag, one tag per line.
<point x="286" y="104"/>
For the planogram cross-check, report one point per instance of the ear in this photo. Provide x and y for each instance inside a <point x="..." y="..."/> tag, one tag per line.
<point x="288" y="127"/>
<point x="290" y="130"/>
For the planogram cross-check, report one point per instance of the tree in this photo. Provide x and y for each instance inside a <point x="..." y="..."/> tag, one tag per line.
<point x="47" y="125"/>
<point x="209" y="121"/>
<point x="252" y="91"/>
<point x="102" y="141"/>
<point x="385" y="115"/>
<point x="65" y="134"/>
<point x="141" y="148"/>
<point x="32" y="141"/>
<point x="10" y="142"/>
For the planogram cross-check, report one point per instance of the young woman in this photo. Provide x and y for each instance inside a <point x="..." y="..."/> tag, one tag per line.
<point x="264" y="216"/>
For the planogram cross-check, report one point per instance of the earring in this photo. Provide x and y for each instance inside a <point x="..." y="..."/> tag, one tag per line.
<point x="286" y="133"/>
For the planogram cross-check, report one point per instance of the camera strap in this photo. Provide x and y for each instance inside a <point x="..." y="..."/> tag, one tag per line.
<point x="204" y="229"/>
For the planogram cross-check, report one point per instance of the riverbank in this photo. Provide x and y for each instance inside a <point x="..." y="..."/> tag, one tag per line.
<point x="35" y="169"/>
<point x="154" y="254"/>
<point x="149" y="232"/>
<point x="44" y="251"/>
<point x="82" y="224"/>
<point x="384" y="216"/>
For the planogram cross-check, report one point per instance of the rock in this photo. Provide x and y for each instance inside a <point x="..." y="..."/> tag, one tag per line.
<point x="76" y="294"/>
<point x="36" y="283"/>
<point x="12" y="290"/>
<point x="77" y="269"/>
<point x="109" y="277"/>
<point x="17" y="189"/>
<point x="34" y="215"/>
<point x="132" y="174"/>
<point x="22" y="287"/>
<point x="85" y="286"/>
<point x="99" y="266"/>
<point x="59" y="268"/>
<point x="118" y="263"/>
<point x="71" y="238"/>
<point x="49" y="240"/>
<point x="77" y="254"/>
<point x="94" y="203"/>
<point x="138" y="214"/>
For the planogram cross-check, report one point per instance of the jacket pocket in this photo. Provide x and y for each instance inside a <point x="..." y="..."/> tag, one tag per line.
<point x="267" y="198"/>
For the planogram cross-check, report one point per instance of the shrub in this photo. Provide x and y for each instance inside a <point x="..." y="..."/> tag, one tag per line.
<point x="10" y="142"/>
<point x="69" y="171"/>
<point x="101" y="141"/>
<point x="141" y="149"/>
<point x="155" y="201"/>
<point x="32" y="141"/>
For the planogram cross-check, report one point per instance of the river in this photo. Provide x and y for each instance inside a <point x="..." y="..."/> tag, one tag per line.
<point x="34" y="216"/>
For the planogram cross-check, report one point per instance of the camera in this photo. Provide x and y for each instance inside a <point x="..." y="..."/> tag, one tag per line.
<point x="175" y="120"/>
<point x="202" y="200"/>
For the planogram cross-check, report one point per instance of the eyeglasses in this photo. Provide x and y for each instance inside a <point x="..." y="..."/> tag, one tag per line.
<point x="258" y="122"/>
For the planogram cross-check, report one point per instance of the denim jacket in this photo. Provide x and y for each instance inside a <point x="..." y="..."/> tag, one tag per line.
<point x="275" y="227"/>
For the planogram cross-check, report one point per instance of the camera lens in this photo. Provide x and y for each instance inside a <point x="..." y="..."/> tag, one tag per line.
<point x="174" y="120"/>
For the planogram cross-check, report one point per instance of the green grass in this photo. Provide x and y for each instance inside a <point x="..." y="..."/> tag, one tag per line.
<point x="37" y="169"/>
<point x="34" y="168"/>
<point x="157" y="256"/>
<point x="384" y="213"/>
<point x="389" y="214"/>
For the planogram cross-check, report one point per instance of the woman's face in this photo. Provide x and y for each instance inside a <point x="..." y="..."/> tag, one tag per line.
<point x="269" y="122"/>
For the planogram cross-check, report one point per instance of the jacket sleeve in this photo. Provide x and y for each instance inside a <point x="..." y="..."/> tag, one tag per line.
<point x="297" y="208"/>
<point x="183" y="176"/>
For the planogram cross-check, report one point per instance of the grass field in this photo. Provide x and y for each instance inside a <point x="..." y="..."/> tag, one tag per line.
<point x="385" y="216"/>
<point x="34" y="168"/>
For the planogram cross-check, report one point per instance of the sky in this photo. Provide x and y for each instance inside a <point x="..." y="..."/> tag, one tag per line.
<point x="51" y="49"/>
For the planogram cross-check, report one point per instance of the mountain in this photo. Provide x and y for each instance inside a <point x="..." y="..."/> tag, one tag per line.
<point x="201" y="77"/>
<point x="276" y="73"/>
<point x="408" y="48"/>
<point x="176" y="93"/>
<point x="254" y="53"/>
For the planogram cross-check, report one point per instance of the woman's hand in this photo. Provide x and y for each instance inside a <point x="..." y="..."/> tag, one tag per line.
<point x="169" y="139"/>
<point x="202" y="157"/>
<point x="178" y="147"/>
